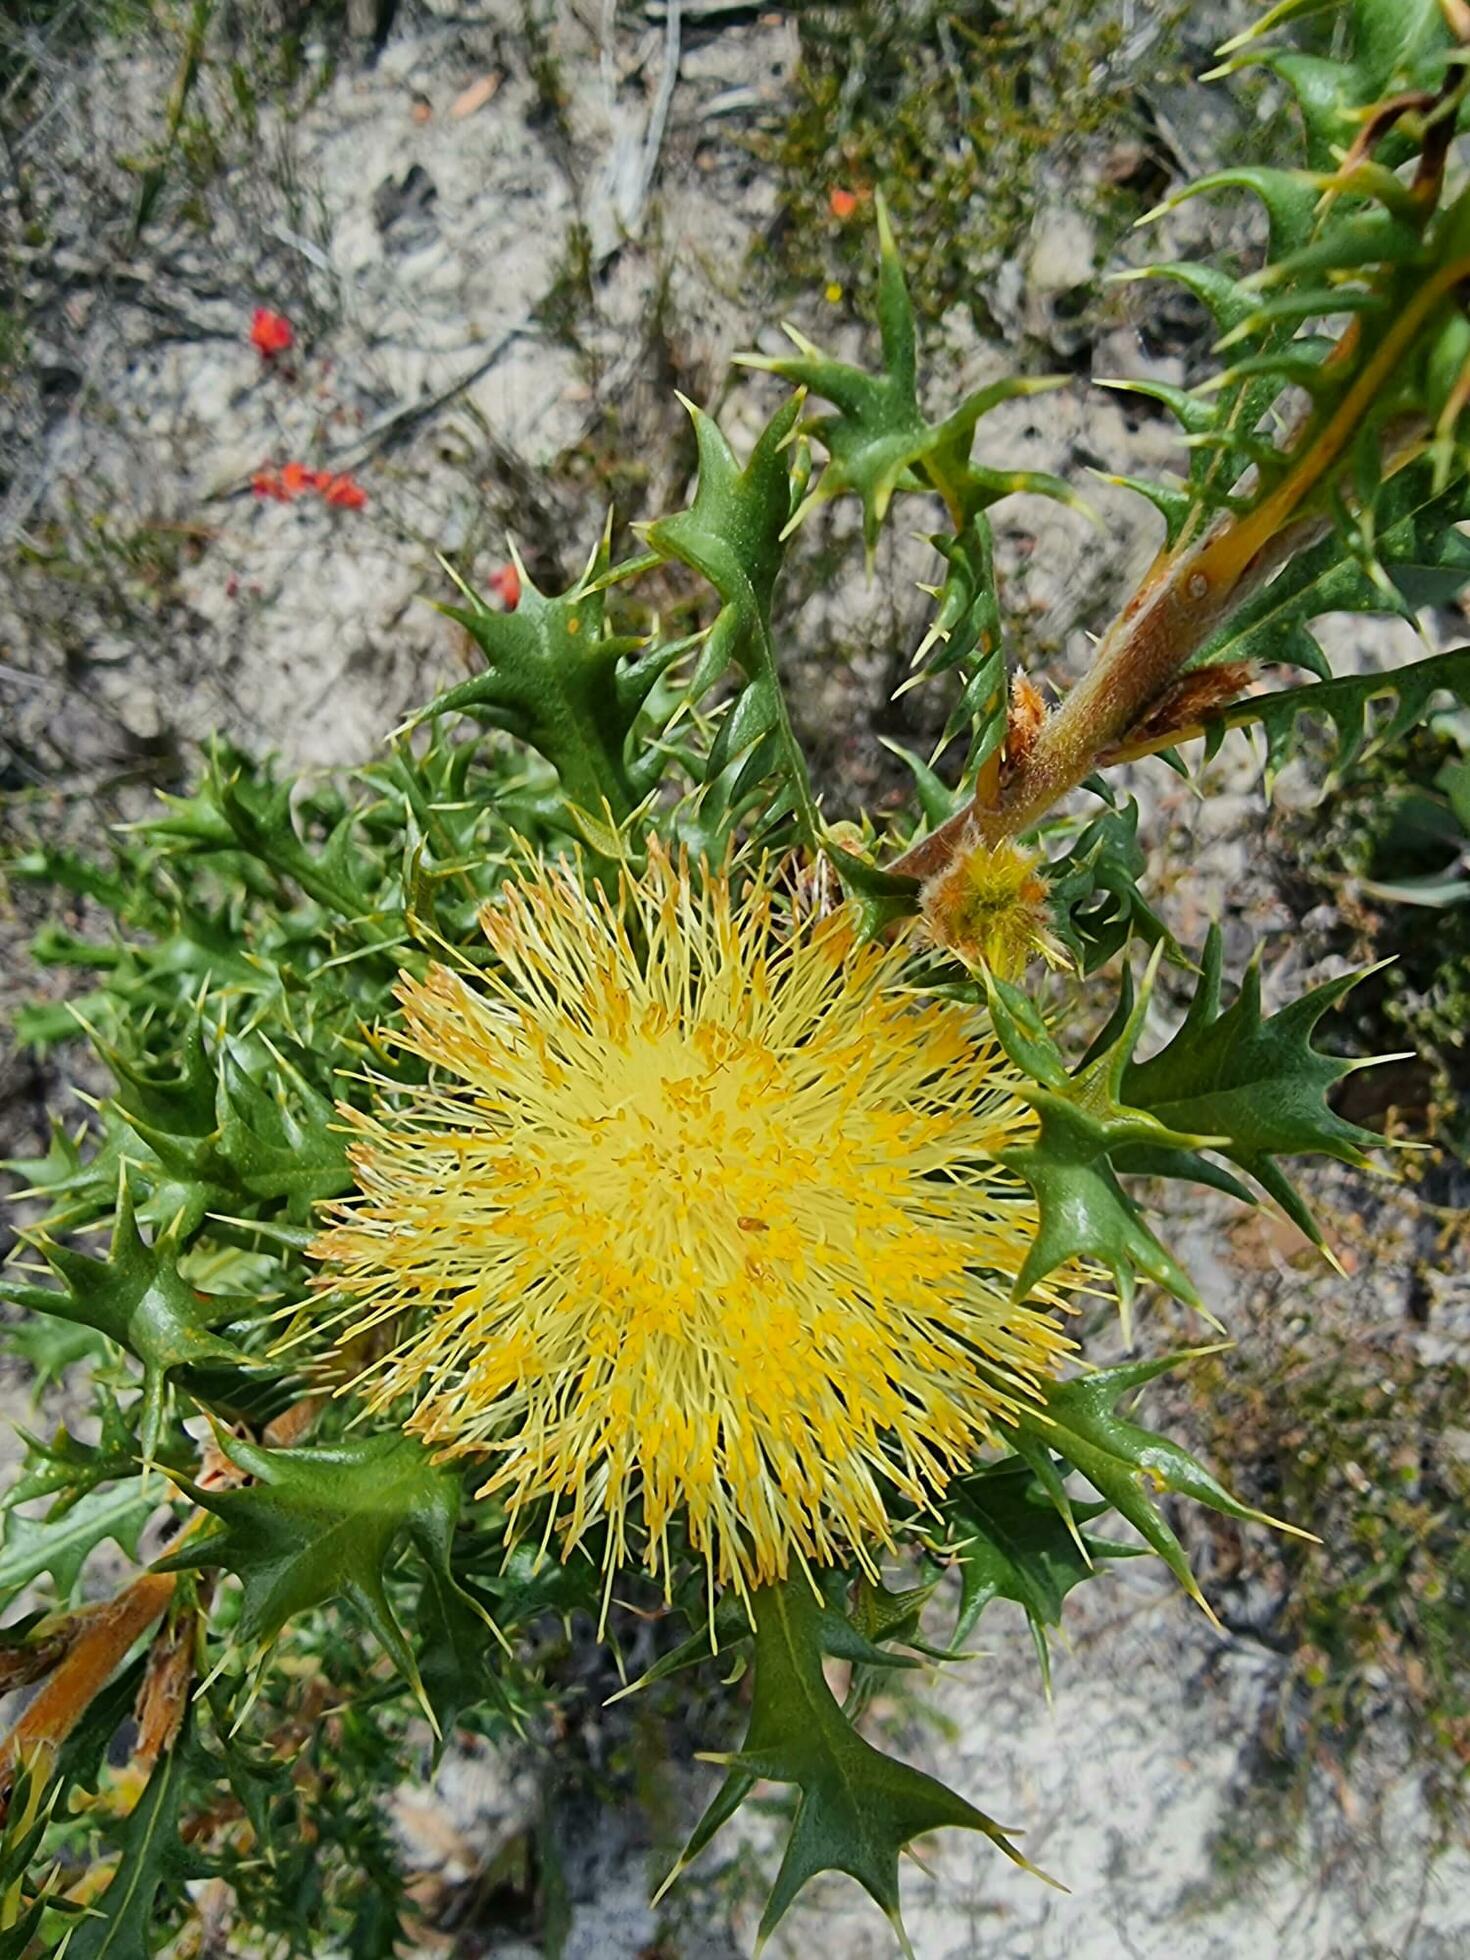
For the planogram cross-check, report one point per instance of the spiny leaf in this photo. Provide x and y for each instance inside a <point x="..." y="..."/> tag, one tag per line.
<point x="1346" y="705"/>
<point x="137" y="1298"/>
<point x="66" y="1466"/>
<point x="965" y="639"/>
<point x="456" y="1653"/>
<point x="323" y="1522"/>
<point x="1254" y="1082"/>
<point x="154" y="1860"/>
<point x="857" y="1808"/>
<point x="1126" y="1464"/>
<point x="1093" y="889"/>
<point x="1417" y="548"/>
<point x="280" y="1141"/>
<point x="552" y="681"/>
<point x="49" y="1347"/>
<point x="1010" y="1542"/>
<point x="1085" y="1212"/>
<point x="733" y="535"/>
<point x="878" y="439"/>
<point x="60" y="1544"/>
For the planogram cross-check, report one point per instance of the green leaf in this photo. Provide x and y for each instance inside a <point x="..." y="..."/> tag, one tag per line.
<point x="1126" y="1464"/>
<point x="880" y="896"/>
<point x="1010" y="1542"/>
<point x="136" y="1298"/>
<point x="1417" y="546"/>
<point x="279" y="1142"/>
<point x="154" y="1860"/>
<point x="60" y="1544"/>
<point x="1085" y="1212"/>
<point x="964" y="639"/>
<point x="1094" y="892"/>
<point x="733" y="535"/>
<point x="878" y="439"/>
<point x="552" y="681"/>
<point x="457" y="1644"/>
<point x="324" y="1522"/>
<point x="72" y="1468"/>
<point x="857" y="1808"/>
<point x="1255" y="1083"/>
<point x="49" y="1347"/>
<point x="1347" y="706"/>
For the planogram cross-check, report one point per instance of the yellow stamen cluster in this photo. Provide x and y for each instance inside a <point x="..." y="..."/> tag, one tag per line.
<point x="697" y="1225"/>
<point x="989" y="906"/>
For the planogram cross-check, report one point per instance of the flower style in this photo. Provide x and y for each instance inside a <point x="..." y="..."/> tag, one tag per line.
<point x="697" y="1225"/>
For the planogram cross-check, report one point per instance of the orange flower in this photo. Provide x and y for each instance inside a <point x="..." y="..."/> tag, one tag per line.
<point x="285" y="485"/>
<point x="506" y="585"/>
<point x="270" y="333"/>
<point x="842" y="203"/>
<point x="342" y="492"/>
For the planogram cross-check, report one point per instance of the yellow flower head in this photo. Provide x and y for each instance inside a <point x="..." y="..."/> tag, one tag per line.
<point x="989" y="906"/>
<point x="698" y="1216"/>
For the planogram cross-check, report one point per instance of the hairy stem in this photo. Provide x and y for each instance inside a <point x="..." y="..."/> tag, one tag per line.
<point x="1176" y="608"/>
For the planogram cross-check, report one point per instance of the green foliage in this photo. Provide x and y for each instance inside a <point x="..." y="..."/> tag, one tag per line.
<point x="323" y="1523"/>
<point x="152" y="1859"/>
<point x="857" y="1808"/>
<point x="1231" y="1082"/>
<point x="1348" y="706"/>
<point x="61" y="1542"/>
<point x="557" y="678"/>
<point x="878" y="438"/>
<point x="733" y="535"/>
<point x="1371" y="249"/>
<point x="1420" y="559"/>
<point x="964" y="639"/>
<point x="1254" y="1082"/>
<point x="1093" y="886"/>
<point x="1085" y="1130"/>
<point x="1127" y="1465"/>
<point x="138" y="1298"/>
<point x="1010" y="1541"/>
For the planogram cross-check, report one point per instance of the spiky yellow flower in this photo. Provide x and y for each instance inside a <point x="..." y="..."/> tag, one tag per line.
<point x="697" y="1226"/>
<point x="989" y="905"/>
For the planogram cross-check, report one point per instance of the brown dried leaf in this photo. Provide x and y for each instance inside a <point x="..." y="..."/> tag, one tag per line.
<point x="163" y="1695"/>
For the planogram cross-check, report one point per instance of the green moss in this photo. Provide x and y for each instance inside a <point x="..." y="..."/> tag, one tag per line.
<point x="1367" y="1446"/>
<point x="960" y="112"/>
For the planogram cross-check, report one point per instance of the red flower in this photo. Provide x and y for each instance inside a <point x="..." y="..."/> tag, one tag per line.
<point x="342" y="492"/>
<point x="296" y="477"/>
<point x="506" y="585"/>
<point x="842" y="203"/>
<point x="270" y="333"/>
<point x="285" y="485"/>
